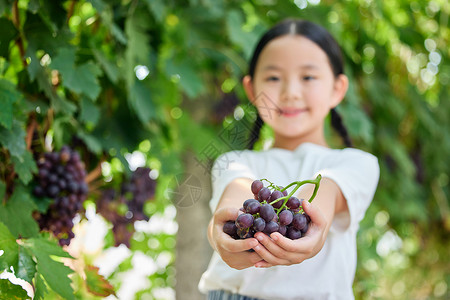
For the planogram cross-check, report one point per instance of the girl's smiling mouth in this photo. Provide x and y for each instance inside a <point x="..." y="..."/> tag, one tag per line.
<point x="291" y="111"/>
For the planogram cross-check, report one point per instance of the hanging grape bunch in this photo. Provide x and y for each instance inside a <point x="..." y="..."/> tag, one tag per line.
<point x="134" y="192"/>
<point x="61" y="177"/>
<point x="272" y="210"/>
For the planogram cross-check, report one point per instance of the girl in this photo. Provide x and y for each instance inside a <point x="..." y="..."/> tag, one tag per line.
<point x="297" y="71"/>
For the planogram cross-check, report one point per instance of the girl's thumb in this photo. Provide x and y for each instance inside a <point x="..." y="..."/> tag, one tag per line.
<point x="314" y="213"/>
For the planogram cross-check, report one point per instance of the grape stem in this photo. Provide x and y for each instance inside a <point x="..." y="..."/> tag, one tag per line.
<point x="298" y="184"/>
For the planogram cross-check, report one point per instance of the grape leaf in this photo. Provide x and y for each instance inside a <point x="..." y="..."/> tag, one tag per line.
<point x="2" y="190"/>
<point x="9" y="246"/>
<point x="55" y="273"/>
<point x="9" y="96"/>
<point x="78" y="78"/>
<point x="191" y="83"/>
<point x="141" y="102"/>
<point x="91" y="142"/>
<point x="96" y="283"/>
<point x="7" y="33"/>
<point x="14" y="139"/>
<point x="10" y="291"/>
<point x="109" y="67"/>
<point x="40" y="288"/>
<point x="26" y="267"/>
<point x="24" y="166"/>
<point x="16" y="214"/>
<point x="90" y="113"/>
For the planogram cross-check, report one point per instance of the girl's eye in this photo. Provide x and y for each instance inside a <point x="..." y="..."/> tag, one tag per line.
<point x="273" y="78"/>
<point x="308" y="78"/>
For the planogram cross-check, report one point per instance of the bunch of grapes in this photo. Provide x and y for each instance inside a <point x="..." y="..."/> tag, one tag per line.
<point x="133" y="195"/>
<point x="272" y="210"/>
<point x="61" y="177"/>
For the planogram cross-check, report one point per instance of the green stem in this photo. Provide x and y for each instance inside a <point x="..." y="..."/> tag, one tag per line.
<point x="285" y="199"/>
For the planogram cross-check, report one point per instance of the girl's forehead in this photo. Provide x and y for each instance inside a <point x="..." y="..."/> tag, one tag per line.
<point x="292" y="49"/>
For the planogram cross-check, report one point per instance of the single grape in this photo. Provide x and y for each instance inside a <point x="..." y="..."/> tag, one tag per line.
<point x="257" y="185"/>
<point x="305" y="229"/>
<point x="254" y="207"/>
<point x="267" y="212"/>
<point x="285" y="192"/>
<point x="245" y="233"/>
<point x="282" y="230"/>
<point x="264" y="194"/>
<point x="293" y="203"/>
<point x="285" y="217"/>
<point x="299" y="222"/>
<point x="276" y="195"/>
<point x="244" y="221"/>
<point x="293" y="233"/>
<point x="230" y="228"/>
<point x="271" y="227"/>
<point x="259" y="224"/>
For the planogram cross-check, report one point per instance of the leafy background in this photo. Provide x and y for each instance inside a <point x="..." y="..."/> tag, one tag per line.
<point x="153" y="82"/>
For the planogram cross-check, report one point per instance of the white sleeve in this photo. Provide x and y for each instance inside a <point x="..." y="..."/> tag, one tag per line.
<point x="357" y="174"/>
<point x="226" y="168"/>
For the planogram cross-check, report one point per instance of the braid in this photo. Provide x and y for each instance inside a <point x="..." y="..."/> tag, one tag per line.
<point x="338" y="125"/>
<point x="256" y="130"/>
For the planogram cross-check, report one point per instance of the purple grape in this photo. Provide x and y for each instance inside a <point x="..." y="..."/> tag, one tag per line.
<point x="305" y="229"/>
<point x="293" y="233"/>
<point x="293" y="203"/>
<point x="285" y="217"/>
<point x="259" y="224"/>
<point x="285" y="192"/>
<point x="257" y="185"/>
<point x="299" y="222"/>
<point x="244" y="221"/>
<point x="264" y="194"/>
<point x="245" y="233"/>
<point x="253" y="207"/>
<point x="267" y="212"/>
<point x="271" y="227"/>
<point x="282" y="230"/>
<point x="276" y="195"/>
<point x="230" y="228"/>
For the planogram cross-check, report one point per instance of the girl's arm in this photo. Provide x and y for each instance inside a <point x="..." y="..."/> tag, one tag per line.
<point x="232" y="251"/>
<point x="279" y="250"/>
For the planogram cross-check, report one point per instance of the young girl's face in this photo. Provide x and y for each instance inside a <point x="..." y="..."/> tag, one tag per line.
<point x="294" y="88"/>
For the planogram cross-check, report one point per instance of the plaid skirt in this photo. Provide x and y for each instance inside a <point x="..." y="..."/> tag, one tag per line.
<point x="223" y="295"/>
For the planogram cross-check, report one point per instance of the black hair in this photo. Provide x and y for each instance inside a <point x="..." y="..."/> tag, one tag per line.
<point x="321" y="37"/>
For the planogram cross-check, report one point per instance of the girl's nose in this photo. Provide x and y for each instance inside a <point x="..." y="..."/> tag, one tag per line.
<point x="291" y="90"/>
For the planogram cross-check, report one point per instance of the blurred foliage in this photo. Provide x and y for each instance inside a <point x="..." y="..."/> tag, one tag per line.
<point x="113" y="78"/>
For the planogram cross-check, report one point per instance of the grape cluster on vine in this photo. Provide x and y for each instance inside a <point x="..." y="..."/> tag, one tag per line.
<point x="133" y="195"/>
<point x="61" y="177"/>
<point x="272" y="210"/>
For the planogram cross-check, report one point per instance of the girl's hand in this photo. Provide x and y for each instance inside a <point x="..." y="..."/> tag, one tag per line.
<point x="233" y="252"/>
<point x="279" y="250"/>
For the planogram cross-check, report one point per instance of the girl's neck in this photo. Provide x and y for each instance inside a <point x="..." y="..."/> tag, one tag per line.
<point x="291" y="143"/>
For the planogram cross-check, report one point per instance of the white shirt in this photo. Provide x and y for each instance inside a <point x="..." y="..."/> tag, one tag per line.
<point x="329" y="274"/>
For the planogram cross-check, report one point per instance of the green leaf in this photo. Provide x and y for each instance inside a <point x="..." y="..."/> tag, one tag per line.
<point x="109" y="67"/>
<point x="8" y="95"/>
<point x="191" y="83"/>
<point x="141" y="101"/>
<point x="91" y="142"/>
<point x="58" y="103"/>
<point x="10" y="291"/>
<point x="157" y="8"/>
<point x="96" y="283"/>
<point x="90" y="113"/>
<point x="78" y="78"/>
<point x="2" y="190"/>
<point x="24" y="166"/>
<point x="14" y="139"/>
<point x="10" y="247"/>
<point x="16" y="214"/>
<point x="26" y="267"/>
<point x="55" y="273"/>
<point x="7" y="33"/>
<point x="40" y="288"/>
